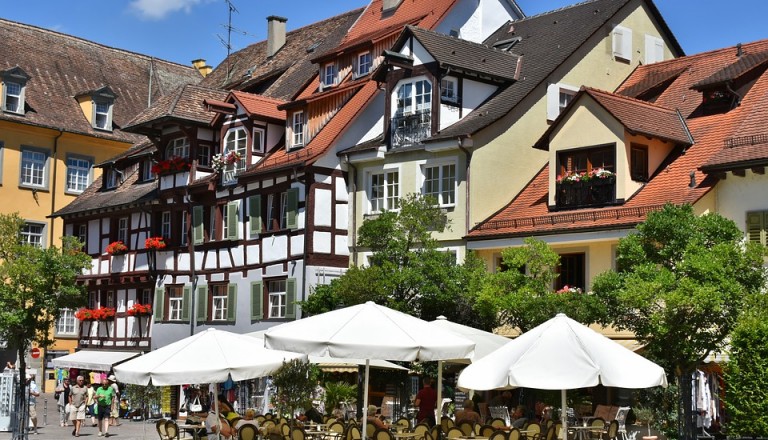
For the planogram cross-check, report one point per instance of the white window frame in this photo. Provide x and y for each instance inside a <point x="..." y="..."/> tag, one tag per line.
<point x="165" y="224"/>
<point x="34" y="237"/>
<point x="219" y="302"/>
<point x="178" y="147"/>
<point x="203" y="155"/>
<point x="389" y="199"/>
<point x="145" y="296"/>
<point x="554" y="92"/>
<point x="146" y="172"/>
<point x="236" y="139"/>
<point x="122" y="230"/>
<point x="66" y="324"/>
<point x="298" y="126"/>
<point x="18" y="97"/>
<point x="330" y="75"/>
<point x="621" y="43"/>
<point x="442" y="191"/>
<point x="82" y="233"/>
<point x="183" y="239"/>
<point x="81" y="171"/>
<point x="278" y="298"/>
<point x="34" y="169"/>
<point x="111" y="178"/>
<point x="449" y="84"/>
<point x="102" y="115"/>
<point x="413" y="106"/>
<point x="654" y="49"/>
<point x="175" y="303"/>
<point x="283" y="218"/>
<point x="364" y="60"/>
<point x="258" y="134"/>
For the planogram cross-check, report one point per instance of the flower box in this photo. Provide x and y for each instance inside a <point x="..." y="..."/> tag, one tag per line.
<point x="221" y="161"/>
<point x="140" y="310"/>
<point x="155" y="243"/>
<point x="100" y="314"/>
<point x="170" y="166"/>
<point x="116" y="248"/>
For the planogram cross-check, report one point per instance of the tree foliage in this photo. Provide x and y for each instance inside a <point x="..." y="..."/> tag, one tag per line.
<point x="522" y="295"/>
<point x="294" y="380"/>
<point x="747" y="372"/>
<point x="406" y="271"/>
<point x="36" y="284"/>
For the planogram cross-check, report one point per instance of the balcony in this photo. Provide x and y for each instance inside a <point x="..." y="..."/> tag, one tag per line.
<point x="594" y="192"/>
<point x="411" y="129"/>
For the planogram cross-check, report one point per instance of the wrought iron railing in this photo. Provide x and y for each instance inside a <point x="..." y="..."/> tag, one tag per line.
<point x="595" y="192"/>
<point x="411" y="129"/>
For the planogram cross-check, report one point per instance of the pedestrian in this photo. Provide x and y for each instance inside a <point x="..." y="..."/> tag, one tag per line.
<point x="90" y="402"/>
<point x="115" y="411"/>
<point x="33" y="393"/>
<point x="104" y="396"/>
<point x="62" y="400"/>
<point x="426" y="401"/>
<point x="78" y="395"/>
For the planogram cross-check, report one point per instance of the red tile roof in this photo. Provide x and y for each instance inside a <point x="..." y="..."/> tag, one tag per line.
<point x="528" y="213"/>
<point x="260" y="105"/>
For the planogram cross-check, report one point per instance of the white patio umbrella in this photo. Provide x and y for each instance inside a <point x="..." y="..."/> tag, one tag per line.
<point x="485" y="343"/>
<point x="368" y="331"/>
<point x="562" y="354"/>
<point x="211" y="356"/>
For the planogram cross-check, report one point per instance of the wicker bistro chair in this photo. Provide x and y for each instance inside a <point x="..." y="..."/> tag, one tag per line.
<point x="298" y="434"/>
<point x="467" y="428"/>
<point x="161" y="430"/>
<point x="420" y="429"/>
<point x="613" y="430"/>
<point x="532" y="430"/>
<point x="247" y="432"/>
<point x="598" y="428"/>
<point x="454" y="432"/>
<point x="336" y="427"/>
<point x="498" y="435"/>
<point x="486" y="430"/>
<point x="446" y="423"/>
<point x="353" y="433"/>
<point x="621" y="418"/>
<point x="404" y="422"/>
<point x="435" y="432"/>
<point x="514" y="434"/>
<point x="382" y="434"/>
<point x="498" y="423"/>
<point x="370" y="428"/>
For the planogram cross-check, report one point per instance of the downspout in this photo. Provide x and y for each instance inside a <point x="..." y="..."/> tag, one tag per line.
<point x="353" y="190"/>
<point x="466" y="189"/>
<point x="53" y="187"/>
<point x="307" y="192"/>
<point x="192" y="272"/>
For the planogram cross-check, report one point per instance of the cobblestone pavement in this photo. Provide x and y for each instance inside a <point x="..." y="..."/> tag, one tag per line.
<point x="46" y="404"/>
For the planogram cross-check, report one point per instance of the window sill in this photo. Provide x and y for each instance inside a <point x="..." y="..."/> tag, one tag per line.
<point x="33" y="187"/>
<point x="73" y="193"/>
<point x="13" y="113"/>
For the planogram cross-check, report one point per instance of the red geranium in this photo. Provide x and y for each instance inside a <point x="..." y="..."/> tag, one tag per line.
<point x="85" y="315"/>
<point x="117" y="248"/>
<point x="170" y="166"/>
<point x="156" y="243"/>
<point x="140" y="309"/>
<point x="104" y="313"/>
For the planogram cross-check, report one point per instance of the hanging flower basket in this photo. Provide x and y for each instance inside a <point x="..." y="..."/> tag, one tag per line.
<point x="155" y="243"/>
<point x="221" y="161"/>
<point x="140" y="310"/>
<point x="116" y="248"/>
<point x="85" y="315"/>
<point x="171" y="166"/>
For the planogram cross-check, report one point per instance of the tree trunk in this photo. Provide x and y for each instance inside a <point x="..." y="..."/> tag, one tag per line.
<point x="22" y="401"/>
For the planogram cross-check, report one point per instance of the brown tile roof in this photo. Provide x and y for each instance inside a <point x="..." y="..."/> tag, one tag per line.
<point x="260" y="105"/>
<point x="720" y="140"/>
<point x="464" y="55"/>
<point x="546" y="41"/>
<point x="130" y="192"/>
<point x="185" y="103"/>
<point x="289" y="70"/>
<point x="61" y="66"/>
<point x="739" y="67"/>
<point x="638" y="117"/>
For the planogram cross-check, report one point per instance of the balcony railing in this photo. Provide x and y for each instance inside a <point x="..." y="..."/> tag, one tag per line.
<point x="411" y="129"/>
<point x="595" y="192"/>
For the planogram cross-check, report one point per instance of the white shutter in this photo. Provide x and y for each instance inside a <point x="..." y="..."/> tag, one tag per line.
<point x="654" y="49"/>
<point x="622" y="43"/>
<point x="553" y="101"/>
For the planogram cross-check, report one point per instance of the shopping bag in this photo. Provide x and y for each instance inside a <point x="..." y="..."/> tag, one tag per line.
<point x="195" y="406"/>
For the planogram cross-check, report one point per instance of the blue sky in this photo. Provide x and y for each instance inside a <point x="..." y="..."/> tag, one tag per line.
<point x="183" y="30"/>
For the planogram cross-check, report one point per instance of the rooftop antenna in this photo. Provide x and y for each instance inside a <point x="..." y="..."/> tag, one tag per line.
<point x="229" y="28"/>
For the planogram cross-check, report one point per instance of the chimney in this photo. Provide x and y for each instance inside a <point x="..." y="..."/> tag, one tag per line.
<point x="201" y="67"/>
<point x="390" y="5"/>
<point x="275" y="34"/>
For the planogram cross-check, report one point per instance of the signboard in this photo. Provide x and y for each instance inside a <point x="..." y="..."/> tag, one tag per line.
<point x="35" y="353"/>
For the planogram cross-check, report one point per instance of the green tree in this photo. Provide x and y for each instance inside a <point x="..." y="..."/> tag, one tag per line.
<point x="522" y="296"/>
<point x="294" y="380"/>
<point x="746" y="372"/>
<point x="407" y="272"/>
<point x="682" y="283"/>
<point x="35" y="283"/>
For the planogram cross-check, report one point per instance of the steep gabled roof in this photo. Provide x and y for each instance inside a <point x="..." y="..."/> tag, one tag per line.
<point x="545" y="42"/>
<point x="184" y="104"/>
<point x="260" y="105"/>
<point x="723" y="141"/>
<point x="61" y="66"/>
<point x="741" y="66"/>
<point x="284" y="74"/>
<point x="130" y="192"/>
<point x="463" y="55"/>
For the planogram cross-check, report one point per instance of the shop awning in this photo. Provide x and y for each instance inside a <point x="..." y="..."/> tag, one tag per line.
<point x="336" y="365"/>
<point x="96" y="360"/>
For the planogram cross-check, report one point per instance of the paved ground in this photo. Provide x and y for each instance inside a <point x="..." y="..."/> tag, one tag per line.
<point x="128" y="430"/>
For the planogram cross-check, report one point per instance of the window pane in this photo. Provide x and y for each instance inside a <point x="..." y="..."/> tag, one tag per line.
<point x="175" y="302"/>
<point x="32" y="168"/>
<point x="32" y="234"/>
<point x="377" y="192"/>
<point x="102" y="115"/>
<point x="219" y="303"/>
<point x="448" y="185"/>
<point x="12" y="97"/>
<point x="66" y="324"/>
<point x="393" y="190"/>
<point x="78" y="172"/>
<point x="277" y="299"/>
<point x="432" y="182"/>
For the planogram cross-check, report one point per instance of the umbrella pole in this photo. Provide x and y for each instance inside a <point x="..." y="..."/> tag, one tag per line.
<point x="564" y="415"/>
<point x="439" y="415"/>
<point x="216" y="409"/>
<point x="364" y="434"/>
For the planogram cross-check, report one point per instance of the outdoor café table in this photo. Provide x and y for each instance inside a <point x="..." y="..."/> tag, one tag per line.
<point x="195" y="429"/>
<point x="581" y="432"/>
<point x="404" y="435"/>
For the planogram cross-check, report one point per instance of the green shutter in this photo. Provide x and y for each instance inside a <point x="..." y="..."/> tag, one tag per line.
<point x="202" y="304"/>
<point x="198" y="228"/>
<point x="159" y="304"/>
<point x="290" y="298"/>
<point x="257" y="301"/>
<point x="291" y="208"/>
<point x="254" y="212"/>
<point x="756" y="227"/>
<point x="232" y="302"/>
<point x="232" y="220"/>
<point x="186" y="304"/>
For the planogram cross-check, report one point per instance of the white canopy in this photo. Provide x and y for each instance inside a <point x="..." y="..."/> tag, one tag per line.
<point x="562" y="354"/>
<point x="485" y="342"/>
<point x="211" y="356"/>
<point x="96" y="360"/>
<point x="369" y="331"/>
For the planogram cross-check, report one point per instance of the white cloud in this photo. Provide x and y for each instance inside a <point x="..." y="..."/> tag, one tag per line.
<point x="159" y="9"/>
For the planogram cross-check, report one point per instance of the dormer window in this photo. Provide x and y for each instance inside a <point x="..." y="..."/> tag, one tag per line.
<point x="329" y="75"/>
<point x="178" y="147"/>
<point x="449" y="90"/>
<point x="235" y="142"/>
<point x="111" y="179"/>
<point x="14" y="84"/>
<point x="97" y="106"/>
<point x="102" y="116"/>
<point x="364" y="63"/>
<point x="412" y="119"/>
<point x="297" y="129"/>
<point x="147" y="173"/>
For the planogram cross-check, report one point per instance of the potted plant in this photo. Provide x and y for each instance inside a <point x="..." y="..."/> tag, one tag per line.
<point x="85" y="315"/>
<point x="117" y="248"/>
<point x="155" y="243"/>
<point x="170" y="166"/>
<point x="104" y="313"/>
<point x="645" y="415"/>
<point x="140" y="310"/>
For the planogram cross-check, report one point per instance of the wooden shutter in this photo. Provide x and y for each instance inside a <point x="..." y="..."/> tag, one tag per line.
<point x="257" y="301"/>
<point x="290" y="298"/>
<point x="186" y="304"/>
<point x="159" y="304"/>
<point x="198" y="228"/>
<point x="254" y="214"/>
<point x="622" y="43"/>
<point x="231" y="302"/>
<point x="232" y="220"/>
<point x="553" y="101"/>
<point x="202" y="304"/>
<point x="756" y="227"/>
<point x="291" y="208"/>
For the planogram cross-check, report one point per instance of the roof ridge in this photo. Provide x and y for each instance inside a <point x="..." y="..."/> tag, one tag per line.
<point x="324" y="20"/>
<point x="90" y="42"/>
<point x="705" y="54"/>
<point x="258" y="96"/>
<point x="563" y="8"/>
<point x="461" y="40"/>
<point x="629" y="98"/>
